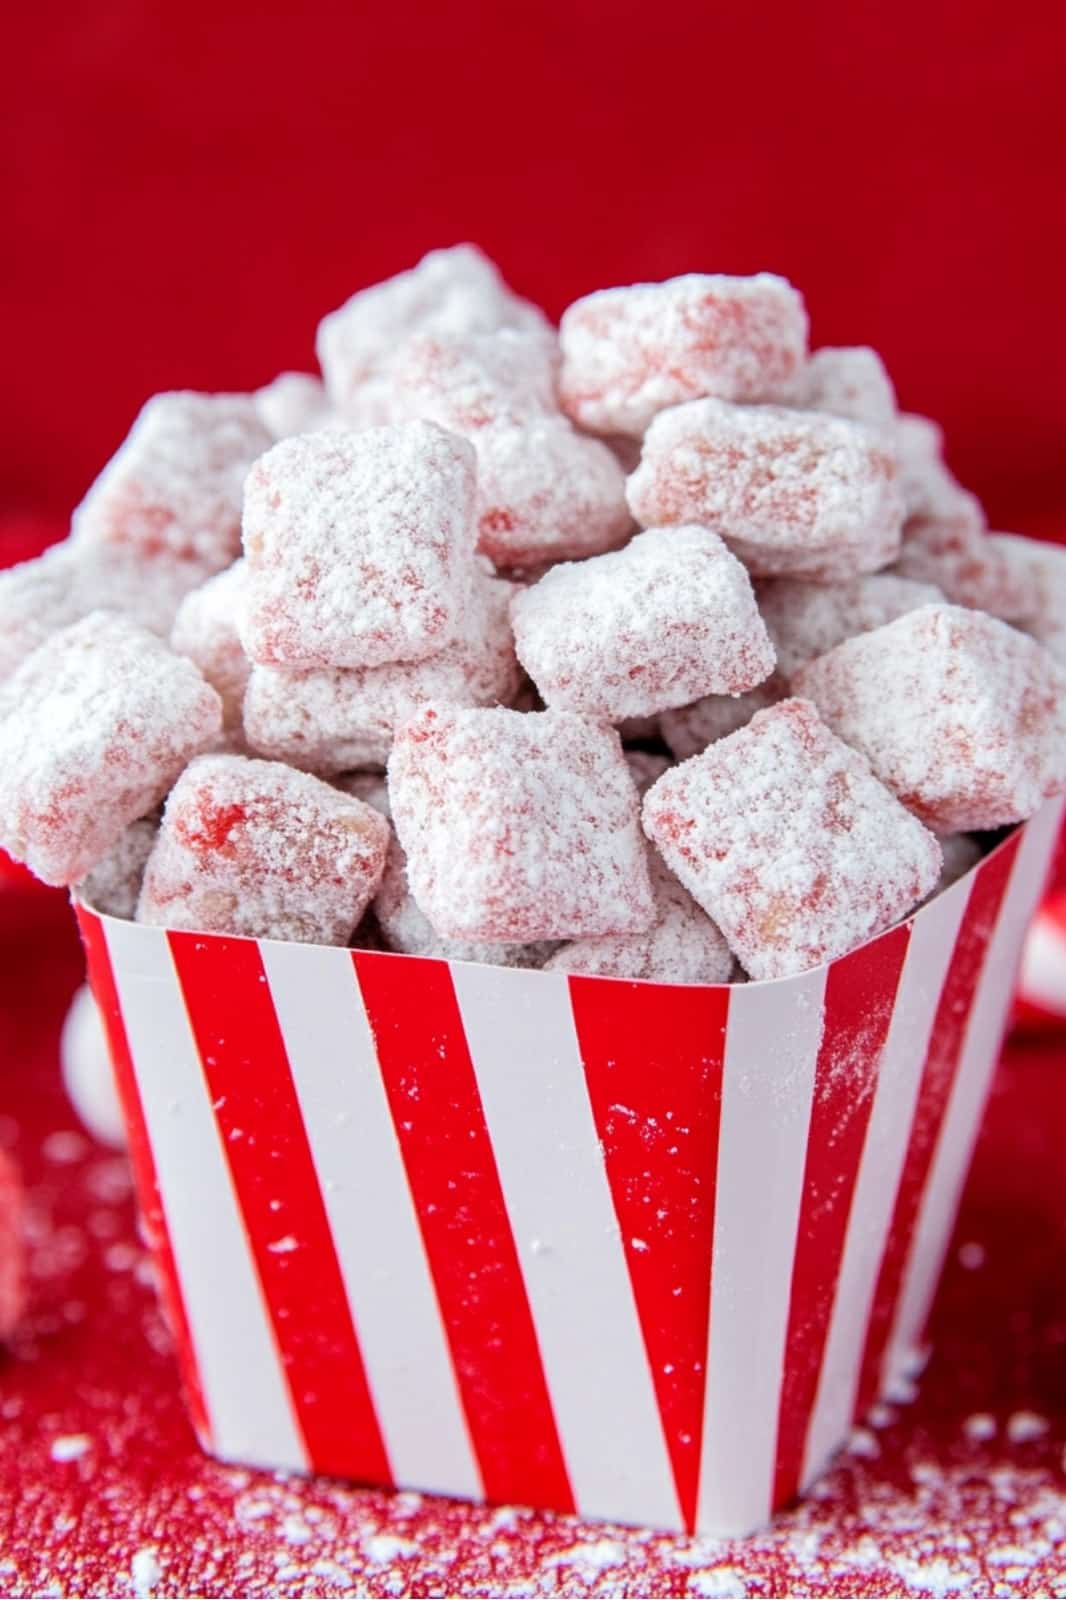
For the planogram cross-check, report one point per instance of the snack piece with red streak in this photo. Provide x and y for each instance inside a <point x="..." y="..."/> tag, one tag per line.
<point x="547" y="493"/>
<point x="205" y="630"/>
<point x="359" y="547"/>
<point x="1041" y="567"/>
<point x="333" y="720"/>
<point x="256" y="849"/>
<point x="683" y="946"/>
<point x="519" y="827"/>
<point x="805" y="620"/>
<point x="656" y="625"/>
<point x="113" y="887"/>
<point x="94" y="728"/>
<point x="960" y="715"/>
<point x="628" y="353"/>
<point x="450" y="292"/>
<point x="12" y="1248"/>
<point x="794" y="493"/>
<point x="967" y="564"/>
<point x="789" y="843"/>
<point x="473" y="381"/>
<point x="848" y="381"/>
<point x="690" y="729"/>
<point x="293" y="402"/>
<point x="58" y="588"/>
<point x="175" y="485"/>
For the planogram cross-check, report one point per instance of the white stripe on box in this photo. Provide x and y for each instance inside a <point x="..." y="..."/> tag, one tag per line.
<point x="771" y="1053"/>
<point x="244" y="1387"/>
<point x="929" y="953"/>
<point x="980" y="1055"/>
<point x="372" y="1217"/>
<point x="524" y="1048"/>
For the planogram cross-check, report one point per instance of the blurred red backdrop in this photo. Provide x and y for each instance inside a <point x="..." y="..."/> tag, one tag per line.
<point x="193" y="186"/>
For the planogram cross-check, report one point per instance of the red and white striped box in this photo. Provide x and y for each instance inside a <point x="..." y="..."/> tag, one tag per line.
<point x="634" y="1250"/>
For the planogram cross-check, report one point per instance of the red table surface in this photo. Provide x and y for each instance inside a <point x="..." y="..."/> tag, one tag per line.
<point x="961" y="1490"/>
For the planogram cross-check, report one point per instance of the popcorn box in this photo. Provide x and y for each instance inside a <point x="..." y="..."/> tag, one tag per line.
<point x="633" y="1250"/>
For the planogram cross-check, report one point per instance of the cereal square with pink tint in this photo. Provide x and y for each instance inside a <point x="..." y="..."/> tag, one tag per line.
<point x="962" y="716"/>
<point x="257" y="849"/>
<point x="656" y="625"/>
<point x="789" y="843"/>
<point x="175" y="484"/>
<point x="848" y="381"/>
<point x="450" y="292"/>
<point x="791" y="492"/>
<point x="339" y="718"/>
<point x="807" y="619"/>
<point x="519" y="826"/>
<point x="628" y="353"/>
<point x="472" y="381"/>
<point x="359" y="547"/>
<point x="95" y="726"/>
<point x="968" y="565"/>
<point x="205" y="630"/>
<point x="683" y="945"/>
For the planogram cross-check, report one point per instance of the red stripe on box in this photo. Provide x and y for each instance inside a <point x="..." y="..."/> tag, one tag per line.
<point x="447" y="1152"/>
<point x="245" y="1066"/>
<point x="860" y="994"/>
<point x="653" y="1058"/>
<point x="105" y="992"/>
<point x="934" y="1092"/>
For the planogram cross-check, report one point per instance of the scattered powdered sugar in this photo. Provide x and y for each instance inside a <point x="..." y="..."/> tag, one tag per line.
<point x="963" y="717"/>
<point x="70" y="1446"/>
<point x="788" y="841"/>
<point x="145" y="1571"/>
<point x="630" y="352"/>
<point x="848" y="381"/>
<point x="331" y="721"/>
<point x="519" y="827"/>
<point x="668" y="619"/>
<point x="258" y="849"/>
<point x="794" y="493"/>
<point x="359" y="547"/>
<point x="176" y="483"/>
<point x="123" y="716"/>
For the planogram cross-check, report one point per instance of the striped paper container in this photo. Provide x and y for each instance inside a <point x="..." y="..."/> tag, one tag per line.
<point x="633" y="1250"/>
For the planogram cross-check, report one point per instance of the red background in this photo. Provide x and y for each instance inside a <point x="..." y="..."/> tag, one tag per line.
<point x="193" y="186"/>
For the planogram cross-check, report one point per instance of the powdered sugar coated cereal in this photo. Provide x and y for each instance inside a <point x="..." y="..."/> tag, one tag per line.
<point x="176" y="482"/>
<point x="254" y="848"/>
<point x="928" y="486"/>
<point x="969" y="567"/>
<point x="546" y="493"/>
<point x="807" y="619"/>
<point x="630" y="352"/>
<point x="467" y="382"/>
<point x="683" y="946"/>
<point x="791" y="492"/>
<point x="455" y="291"/>
<point x="1041" y="567"/>
<point x="658" y="624"/>
<point x="848" y="381"/>
<point x="331" y="721"/>
<point x="114" y="885"/>
<point x="519" y="827"/>
<point x="293" y="402"/>
<point x="205" y="630"/>
<point x="690" y="729"/>
<point x="963" y="717"/>
<point x="359" y="547"/>
<point x="122" y="717"/>
<point x="789" y="843"/>
<point x="71" y="579"/>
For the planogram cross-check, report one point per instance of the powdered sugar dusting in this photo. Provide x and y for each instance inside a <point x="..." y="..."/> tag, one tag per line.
<point x="791" y="492"/>
<point x="658" y="624"/>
